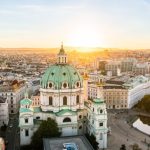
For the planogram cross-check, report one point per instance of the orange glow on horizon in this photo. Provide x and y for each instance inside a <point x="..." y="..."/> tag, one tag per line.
<point x="85" y="35"/>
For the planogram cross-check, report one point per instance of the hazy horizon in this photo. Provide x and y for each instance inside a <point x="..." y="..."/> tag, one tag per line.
<point x="81" y="23"/>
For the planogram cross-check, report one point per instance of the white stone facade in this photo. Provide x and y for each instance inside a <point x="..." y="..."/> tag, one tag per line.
<point x="123" y="96"/>
<point x="62" y="99"/>
<point x="13" y="97"/>
<point x="4" y="112"/>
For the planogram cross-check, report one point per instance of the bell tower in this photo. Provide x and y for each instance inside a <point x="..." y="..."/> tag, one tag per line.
<point x="62" y="56"/>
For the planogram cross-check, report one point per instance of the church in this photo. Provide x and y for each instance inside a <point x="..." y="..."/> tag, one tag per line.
<point x="61" y="98"/>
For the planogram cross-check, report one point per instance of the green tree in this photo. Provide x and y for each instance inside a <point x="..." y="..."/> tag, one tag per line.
<point x="3" y="127"/>
<point x="92" y="140"/>
<point x="123" y="147"/>
<point x="136" y="147"/>
<point x="48" y="128"/>
<point x="144" y="103"/>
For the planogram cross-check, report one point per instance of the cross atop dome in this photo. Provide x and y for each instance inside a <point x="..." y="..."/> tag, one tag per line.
<point x="61" y="57"/>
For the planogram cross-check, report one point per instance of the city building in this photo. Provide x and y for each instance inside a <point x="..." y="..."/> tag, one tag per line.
<point x="142" y="68"/>
<point x="114" y="67"/>
<point x="62" y="99"/>
<point x="127" y="64"/>
<point x="4" y="113"/>
<point x="13" y="91"/>
<point x="123" y="93"/>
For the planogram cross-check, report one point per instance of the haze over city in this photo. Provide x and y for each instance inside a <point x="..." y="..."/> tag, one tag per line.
<point x="80" y="23"/>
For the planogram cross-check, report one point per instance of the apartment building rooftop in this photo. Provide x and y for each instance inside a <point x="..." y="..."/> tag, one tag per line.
<point x="135" y="81"/>
<point x="10" y="85"/>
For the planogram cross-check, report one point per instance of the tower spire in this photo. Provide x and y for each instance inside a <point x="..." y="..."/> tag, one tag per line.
<point x="62" y="47"/>
<point x="62" y="51"/>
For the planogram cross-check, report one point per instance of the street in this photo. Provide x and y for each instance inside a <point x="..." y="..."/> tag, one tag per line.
<point x="11" y="134"/>
<point x="123" y="133"/>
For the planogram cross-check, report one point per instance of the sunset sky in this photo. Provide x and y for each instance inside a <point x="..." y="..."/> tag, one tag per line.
<point x="91" y="23"/>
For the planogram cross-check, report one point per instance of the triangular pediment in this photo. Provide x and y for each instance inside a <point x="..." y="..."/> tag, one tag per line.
<point x="66" y="112"/>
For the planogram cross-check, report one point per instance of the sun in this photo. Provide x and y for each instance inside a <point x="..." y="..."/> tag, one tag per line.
<point x="84" y="36"/>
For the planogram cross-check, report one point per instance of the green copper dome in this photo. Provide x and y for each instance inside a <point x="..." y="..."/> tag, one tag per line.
<point x="61" y="76"/>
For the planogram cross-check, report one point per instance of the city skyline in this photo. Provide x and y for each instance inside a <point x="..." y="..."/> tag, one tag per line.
<point x="85" y="23"/>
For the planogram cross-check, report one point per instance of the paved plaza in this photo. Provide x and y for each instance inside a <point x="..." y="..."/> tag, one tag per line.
<point x="123" y="132"/>
<point x="57" y="143"/>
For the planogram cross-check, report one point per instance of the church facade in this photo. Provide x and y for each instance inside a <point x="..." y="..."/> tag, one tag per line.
<point x="61" y="98"/>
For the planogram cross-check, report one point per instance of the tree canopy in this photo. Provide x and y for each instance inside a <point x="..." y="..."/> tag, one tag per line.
<point x="136" y="147"/>
<point x="92" y="140"/>
<point x="123" y="147"/>
<point x="48" y="128"/>
<point x="144" y="104"/>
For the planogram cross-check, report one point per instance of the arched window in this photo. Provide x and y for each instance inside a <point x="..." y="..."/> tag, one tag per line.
<point x="101" y="80"/>
<point x="50" y="100"/>
<point x="78" y="84"/>
<point x="64" y="100"/>
<point x="65" y="85"/>
<point x="101" y="111"/>
<point x="50" y="85"/>
<point x="38" y="117"/>
<point x="80" y="127"/>
<point x="67" y="120"/>
<point x="77" y="99"/>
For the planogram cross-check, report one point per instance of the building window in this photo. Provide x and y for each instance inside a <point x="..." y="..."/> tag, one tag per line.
<point x="101" y="111"/>
<point x="26" y="132"/>
<point x="80" y="116"/>
<point x="50" y="100"/>
<point x="92" y="121"/>
<point x="64" y="100"/>
<point x="93" y="109"/>
<point x="78" y="84"/>
<point x="65" y="85"/>
<point x="101" y="124"/>
<point x="50" y="85"/>
<point x="77" y="99"/>
<point x="67" y="120"/>
<point x="89" y="117"/>
<point x="12" y="111"/>
<point x="26" y="120"/>
<point x="101" y="136"/>
<point x="38" y="117"/>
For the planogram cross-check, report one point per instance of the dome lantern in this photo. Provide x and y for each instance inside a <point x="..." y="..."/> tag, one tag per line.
<point x="62" y="56"/>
